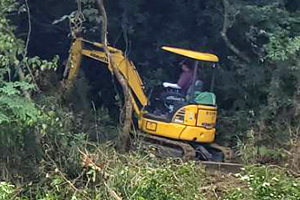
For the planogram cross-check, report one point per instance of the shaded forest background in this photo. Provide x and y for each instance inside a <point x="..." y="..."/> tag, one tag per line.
<point x="257" y="85"/>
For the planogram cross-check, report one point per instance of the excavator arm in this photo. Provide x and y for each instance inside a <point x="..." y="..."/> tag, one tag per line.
<point x="125" y="66"/>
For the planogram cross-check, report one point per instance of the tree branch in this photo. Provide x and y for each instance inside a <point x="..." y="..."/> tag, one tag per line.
<point x="27" y="44"/>
<point x="224" y="33"/>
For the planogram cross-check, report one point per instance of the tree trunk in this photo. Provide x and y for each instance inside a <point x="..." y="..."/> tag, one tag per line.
<point x="124" y="134"/>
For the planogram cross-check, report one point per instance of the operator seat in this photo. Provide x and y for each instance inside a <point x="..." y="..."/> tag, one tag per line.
<point x="165" y="100"/>
<point x="172" y="96"/>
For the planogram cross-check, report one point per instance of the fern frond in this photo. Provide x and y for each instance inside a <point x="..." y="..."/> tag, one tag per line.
<point x="19" y="107"/>
<point x="9" y="89"/>
<point x="3" y="118"/>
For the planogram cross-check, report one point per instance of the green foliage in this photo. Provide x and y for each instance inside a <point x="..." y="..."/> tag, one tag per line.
<point x="11" y="46"/>
<point x="16" y="112"/>
<point x="135" y="176"/>
<point x="163" y="181"/>
<point x="261" y="96"/>
<point x="254" y="150"/>
<point x="281" y="47"/>
<point x="6" y="190"/>
<point x="21" y="120"/>
<point x="14" y="106"/>
<point x="266" y="183"/>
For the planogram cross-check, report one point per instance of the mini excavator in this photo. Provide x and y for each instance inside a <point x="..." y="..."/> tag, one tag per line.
<point x="187" y="128"/>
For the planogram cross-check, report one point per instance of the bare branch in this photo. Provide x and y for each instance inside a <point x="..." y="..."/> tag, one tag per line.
<point x="226" y="25"/>
<point x="27" y="44"/>
<point x="29" y="27"/>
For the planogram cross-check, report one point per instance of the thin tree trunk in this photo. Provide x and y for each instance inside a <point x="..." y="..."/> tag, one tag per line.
<point x="124" y="135"/>
<point x="22" y="78"/>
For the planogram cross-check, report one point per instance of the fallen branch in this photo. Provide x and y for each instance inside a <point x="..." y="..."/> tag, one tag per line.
<point x="87" y="162"/>
<point x="113" y="193"/>
<point x="64" y="177"/>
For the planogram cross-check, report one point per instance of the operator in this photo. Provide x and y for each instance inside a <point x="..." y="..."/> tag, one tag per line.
<point x="185" y="79"/>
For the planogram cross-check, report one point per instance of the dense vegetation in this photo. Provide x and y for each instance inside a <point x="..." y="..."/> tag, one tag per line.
<point x="58" y="147"/>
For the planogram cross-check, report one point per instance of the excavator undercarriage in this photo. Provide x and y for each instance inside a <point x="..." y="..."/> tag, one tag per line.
<point x="222" y="158"/>
<point x="164" y="147"/>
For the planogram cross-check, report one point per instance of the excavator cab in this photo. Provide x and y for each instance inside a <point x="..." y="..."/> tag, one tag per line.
<point x="197" y="85"/>
<point x="169" y="97"/>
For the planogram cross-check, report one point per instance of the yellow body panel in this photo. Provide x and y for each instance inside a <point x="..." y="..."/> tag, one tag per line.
<point x="127" y="69"/>
<point x="190" y="115"/>
<point x="206" y="117"/>
<point x="189" y="123"/>
<point x="100" y="45"/>
<point x="198" y="134"/>
<point x="178" y="131"/>
<point x="97" y="55"/>
<point x="169" y="130"/>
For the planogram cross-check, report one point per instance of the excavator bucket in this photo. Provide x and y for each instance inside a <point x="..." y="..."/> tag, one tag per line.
<point x="192" y="54"/>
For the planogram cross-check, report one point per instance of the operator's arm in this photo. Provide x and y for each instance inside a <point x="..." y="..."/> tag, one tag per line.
<point x="172" y="85"/>
<point x="184" y="80"/>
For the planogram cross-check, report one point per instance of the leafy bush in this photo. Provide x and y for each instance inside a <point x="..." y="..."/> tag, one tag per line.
<point x="20" y="118"/>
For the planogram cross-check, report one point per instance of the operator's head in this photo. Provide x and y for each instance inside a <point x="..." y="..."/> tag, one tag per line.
<point x="187" y="65"/>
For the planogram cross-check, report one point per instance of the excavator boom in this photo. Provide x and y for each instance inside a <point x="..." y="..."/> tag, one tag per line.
<point x="126" y="67"/>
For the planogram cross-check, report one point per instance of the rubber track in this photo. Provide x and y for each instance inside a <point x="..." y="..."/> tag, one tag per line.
<point x="188" y="151"/>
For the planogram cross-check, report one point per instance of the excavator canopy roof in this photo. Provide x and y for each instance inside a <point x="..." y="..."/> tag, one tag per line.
<point x="193" y="54"/>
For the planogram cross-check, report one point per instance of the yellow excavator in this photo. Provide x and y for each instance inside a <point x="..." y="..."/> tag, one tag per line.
<point x="186" y="128"/>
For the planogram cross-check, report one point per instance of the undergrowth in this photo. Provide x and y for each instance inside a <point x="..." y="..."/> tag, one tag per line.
<point x="74" y="157"/>
<point x="105" y="174"/>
